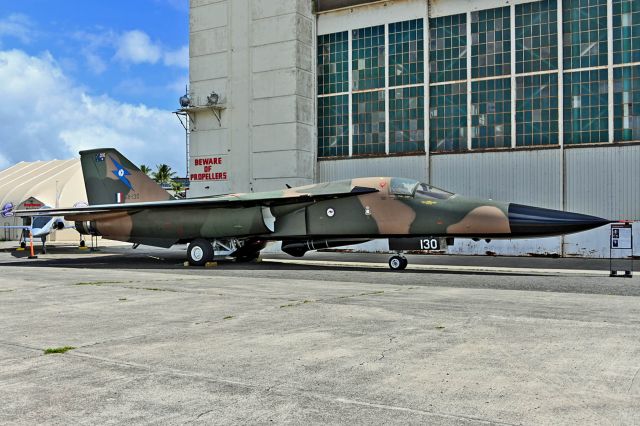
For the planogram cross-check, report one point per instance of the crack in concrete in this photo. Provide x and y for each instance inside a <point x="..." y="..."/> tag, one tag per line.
<point x="391" y="339"/>
<point x="635" y="376"/>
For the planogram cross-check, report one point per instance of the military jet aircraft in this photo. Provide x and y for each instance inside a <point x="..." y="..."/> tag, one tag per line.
<point x="126" y="205"/>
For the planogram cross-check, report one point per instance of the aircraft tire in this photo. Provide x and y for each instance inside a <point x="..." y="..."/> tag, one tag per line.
<point x="199" y="252"/>
<point x="405" y="262"/>
<point x="23" y="244"/>
<point x="398" y="263"/>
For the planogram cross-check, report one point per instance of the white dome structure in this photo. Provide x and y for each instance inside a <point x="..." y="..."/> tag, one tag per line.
<point x="55" y="183"/>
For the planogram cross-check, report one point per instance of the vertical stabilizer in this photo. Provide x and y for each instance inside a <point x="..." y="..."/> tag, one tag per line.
<point x="111" y="178"/>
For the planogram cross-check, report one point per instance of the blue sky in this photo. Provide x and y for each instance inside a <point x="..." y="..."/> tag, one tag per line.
<point x="82" y="74"/>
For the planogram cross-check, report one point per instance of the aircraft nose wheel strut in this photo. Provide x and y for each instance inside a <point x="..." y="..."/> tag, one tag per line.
<point x="398" y="263"/>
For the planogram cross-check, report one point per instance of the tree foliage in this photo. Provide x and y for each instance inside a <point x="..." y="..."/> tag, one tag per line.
<point x="163" y="174"/>
<point x="145" y="169"/>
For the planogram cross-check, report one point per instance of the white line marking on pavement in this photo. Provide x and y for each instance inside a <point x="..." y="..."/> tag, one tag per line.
<point x="442" y="268"/>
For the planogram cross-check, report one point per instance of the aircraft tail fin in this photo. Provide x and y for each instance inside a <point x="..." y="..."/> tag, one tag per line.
<point x="111" y="178"/>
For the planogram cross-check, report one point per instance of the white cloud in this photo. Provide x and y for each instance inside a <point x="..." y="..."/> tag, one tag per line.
<point x="93" y="43"/>
<point x="18" y="26"/>
<point x="45" y="115"/>
<point x="136" y="47"/>
<point x="179" y="58"/>
<point x="95" y="63"/>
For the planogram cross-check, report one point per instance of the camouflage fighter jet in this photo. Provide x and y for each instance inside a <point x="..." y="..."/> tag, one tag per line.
<point x="126" y="205"/>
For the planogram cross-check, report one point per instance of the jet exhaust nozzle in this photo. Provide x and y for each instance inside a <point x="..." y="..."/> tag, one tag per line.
<point x="87" y="228"/>
<point x="536" y="221"/>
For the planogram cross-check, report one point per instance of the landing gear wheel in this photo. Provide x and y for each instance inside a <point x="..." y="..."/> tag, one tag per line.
<point x="82" y="243"/>
<point x="23" y="244"/>
<point x="199" y="252"/>
<point x="398" y="263"/>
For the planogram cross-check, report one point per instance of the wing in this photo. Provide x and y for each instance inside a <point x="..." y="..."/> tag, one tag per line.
<point x="265" y="199"/>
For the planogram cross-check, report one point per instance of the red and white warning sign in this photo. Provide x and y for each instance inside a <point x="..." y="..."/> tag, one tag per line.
<point x="212" y="168"/>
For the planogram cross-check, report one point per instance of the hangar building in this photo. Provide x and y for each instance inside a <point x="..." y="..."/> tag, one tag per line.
<point x="56" y="183"/>
<point x="536" y="102"/>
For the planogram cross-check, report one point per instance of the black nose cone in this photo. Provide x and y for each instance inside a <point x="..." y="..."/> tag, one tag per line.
<point x="534" y="221"/>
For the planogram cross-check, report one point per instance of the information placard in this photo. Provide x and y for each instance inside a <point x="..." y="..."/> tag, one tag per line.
<point x="621" y="237"/>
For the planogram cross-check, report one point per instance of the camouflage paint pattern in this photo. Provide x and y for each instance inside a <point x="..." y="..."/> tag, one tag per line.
<point x="366" y="208"/>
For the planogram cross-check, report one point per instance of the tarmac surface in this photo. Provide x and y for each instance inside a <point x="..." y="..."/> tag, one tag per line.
<point x="337" y="339"/>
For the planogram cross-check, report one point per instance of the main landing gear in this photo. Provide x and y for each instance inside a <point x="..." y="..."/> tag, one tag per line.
<point x="199" y="252"/>
<point x="398" y="263"/>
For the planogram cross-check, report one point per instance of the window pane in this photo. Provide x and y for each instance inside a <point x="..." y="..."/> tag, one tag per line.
<point x="448" y="117"/>
<point x="448" y="48"/>
<point x="333" y="126"/>
<point x="537" y="110"/>
<point x="626" y="103"/>
<point x="584" y="28"/>
<point x="406" y="119"/>
<point x="333" y="60"/>
<point x="536" y="36"/>
<point x="368" y="123"/>
<point x="491" y="113"/>
<point x="626" y="31"/>
<point x="406" y="53"/>
<point x="490" y="43"/>
<point x="368" y="58"/>
<point x="585" y="107"/>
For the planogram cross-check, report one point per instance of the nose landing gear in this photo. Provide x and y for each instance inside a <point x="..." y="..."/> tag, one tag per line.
<point x="398" y="263"/>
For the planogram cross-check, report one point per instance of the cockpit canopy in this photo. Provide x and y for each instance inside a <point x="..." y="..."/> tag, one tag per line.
<point x="413" y="188"/>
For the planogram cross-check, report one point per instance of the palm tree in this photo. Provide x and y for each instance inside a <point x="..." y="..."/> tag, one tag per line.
<point x="178" y="189"/>
<point x="145" y="169"/>
<point x="163" y="174"/>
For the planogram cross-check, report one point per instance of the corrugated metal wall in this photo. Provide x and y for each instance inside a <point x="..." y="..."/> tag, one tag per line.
<point x="527" y="177"/>
<point x="414" y="167"/>
<point x="604" y="181"/>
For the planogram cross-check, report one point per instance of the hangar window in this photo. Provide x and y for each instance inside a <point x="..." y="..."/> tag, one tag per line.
<point x="406" y="53"/>
<point x="448" y="117"/>
<point x="626" y="103"/>
<point x="490" y="42"/>
<point x="537" y="110"/>
<point x="368" y="58"/>
<point x="585" y="107"/>
<point x="491" y="113"/>
<point x="448" y="48"/>
<point x="368" y="114"/>
<point x="536" y="36"/>
<point x="333" y="126"/>
<point x="584" y="38"/>
<point x="333" y="63"/>
<point x="406" y="119"/>
<point x="626" y="31"/>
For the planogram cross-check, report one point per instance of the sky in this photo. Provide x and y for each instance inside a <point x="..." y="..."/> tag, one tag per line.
<point x="80" y="74"/>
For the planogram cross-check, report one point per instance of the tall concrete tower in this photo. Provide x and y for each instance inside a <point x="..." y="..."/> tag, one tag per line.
<point x="252" y="95"/>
